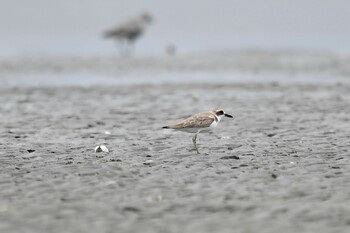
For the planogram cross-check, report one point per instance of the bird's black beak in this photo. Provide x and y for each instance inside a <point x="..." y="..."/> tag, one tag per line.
<point x="228" y="115"/>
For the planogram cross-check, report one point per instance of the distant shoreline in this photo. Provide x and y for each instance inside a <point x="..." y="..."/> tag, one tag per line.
<point x="237" y="60"/>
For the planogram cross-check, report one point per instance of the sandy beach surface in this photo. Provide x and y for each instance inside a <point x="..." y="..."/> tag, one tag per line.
<point x="281" y="165"/>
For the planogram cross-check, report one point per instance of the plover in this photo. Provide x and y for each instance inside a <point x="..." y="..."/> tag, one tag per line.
<point x="200" y="122"/>
<point x="129" y="31"/>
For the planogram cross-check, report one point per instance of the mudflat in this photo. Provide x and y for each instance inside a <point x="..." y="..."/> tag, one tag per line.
<point x="281" y="165"/>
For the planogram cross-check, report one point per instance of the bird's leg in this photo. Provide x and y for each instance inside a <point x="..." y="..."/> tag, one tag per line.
<point x="194" y="140"/>
<point x="123" y="47"/>
<point x="131" y="47"/>
<point x="119" y="44"/>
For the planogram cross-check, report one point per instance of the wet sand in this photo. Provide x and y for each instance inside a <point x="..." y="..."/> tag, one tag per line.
<point x="282" y="165"/>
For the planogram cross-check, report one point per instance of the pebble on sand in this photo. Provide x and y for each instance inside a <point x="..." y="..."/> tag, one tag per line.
<point x="230" y="157"/>
<point x="101" y="148"/>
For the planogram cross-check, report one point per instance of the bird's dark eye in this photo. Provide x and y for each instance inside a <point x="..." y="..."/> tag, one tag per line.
<point x="220" y="112"/>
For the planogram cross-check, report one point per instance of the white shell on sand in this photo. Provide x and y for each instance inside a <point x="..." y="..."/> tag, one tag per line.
<point x="148" y="162"/>
<point x="101" y="148"/>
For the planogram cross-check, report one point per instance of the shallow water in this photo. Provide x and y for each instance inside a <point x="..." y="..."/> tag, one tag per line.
<point x="88" y="79"/>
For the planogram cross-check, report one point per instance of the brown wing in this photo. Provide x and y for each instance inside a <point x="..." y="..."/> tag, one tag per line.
<point x="199" y="120"/>
<point x="124" y="30"/>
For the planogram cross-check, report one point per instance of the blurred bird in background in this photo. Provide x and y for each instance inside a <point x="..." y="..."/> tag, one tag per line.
<point x="126" y="33"/>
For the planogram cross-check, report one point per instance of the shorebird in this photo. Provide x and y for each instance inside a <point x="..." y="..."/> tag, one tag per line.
<point x="200" y="122"/>
<point x="129" y="31"/>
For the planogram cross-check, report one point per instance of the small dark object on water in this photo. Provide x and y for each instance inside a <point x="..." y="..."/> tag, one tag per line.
<point x="31" y="150"/>
<point x="170" y="50"/>
<point x="271" y="135"/>
<point x="273" y="175"/>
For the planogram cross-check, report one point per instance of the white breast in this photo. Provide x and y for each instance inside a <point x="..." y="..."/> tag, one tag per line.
<point x="214" y="124"/>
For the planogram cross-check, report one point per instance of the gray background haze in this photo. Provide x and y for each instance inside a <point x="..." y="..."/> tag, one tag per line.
<point x="75" y="27"/>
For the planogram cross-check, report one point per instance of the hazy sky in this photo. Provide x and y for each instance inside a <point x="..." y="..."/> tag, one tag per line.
<point x="75" y="26"/>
